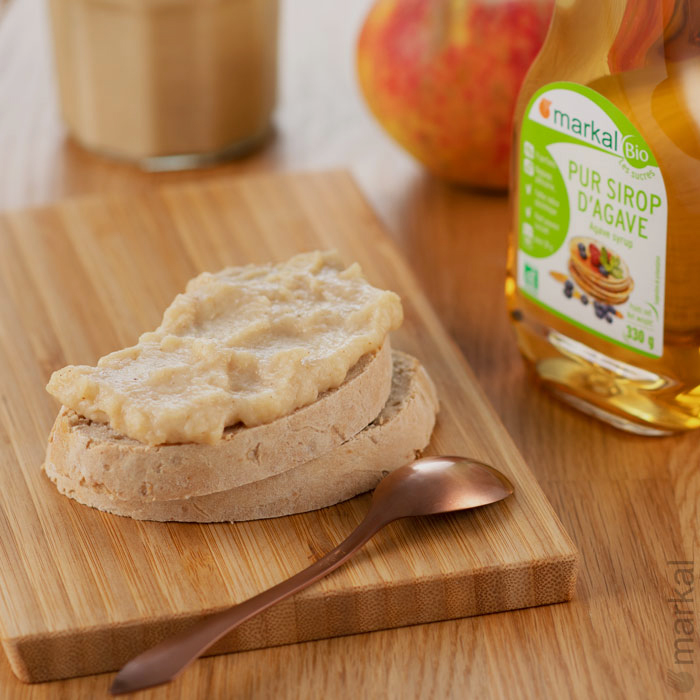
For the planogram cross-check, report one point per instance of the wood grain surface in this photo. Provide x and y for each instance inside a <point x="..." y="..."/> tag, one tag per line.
<point x="631" y="504"/>
<point x="84" y="591"/>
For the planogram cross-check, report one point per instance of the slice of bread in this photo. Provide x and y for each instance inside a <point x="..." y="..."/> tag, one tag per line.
<point x="95" y="457"/>
<point x="394" y="438"/>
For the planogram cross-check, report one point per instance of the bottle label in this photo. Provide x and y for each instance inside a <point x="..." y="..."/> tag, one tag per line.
<point x="592" y="214"/>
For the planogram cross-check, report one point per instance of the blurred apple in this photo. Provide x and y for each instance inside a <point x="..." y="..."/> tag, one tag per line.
<point x="442" y="77"/>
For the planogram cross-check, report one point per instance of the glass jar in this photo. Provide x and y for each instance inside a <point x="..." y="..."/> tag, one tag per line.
<point x="166" y="83"/>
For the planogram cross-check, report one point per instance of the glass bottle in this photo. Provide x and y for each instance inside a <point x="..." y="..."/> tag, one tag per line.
<point x="603" y="280"/>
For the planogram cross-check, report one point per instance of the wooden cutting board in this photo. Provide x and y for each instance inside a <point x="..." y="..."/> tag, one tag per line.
<point x="82" y="591"/>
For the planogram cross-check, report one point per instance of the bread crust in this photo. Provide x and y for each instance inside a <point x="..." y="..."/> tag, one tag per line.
<point x="401" y="430"/>
<point x="92" y="455"/>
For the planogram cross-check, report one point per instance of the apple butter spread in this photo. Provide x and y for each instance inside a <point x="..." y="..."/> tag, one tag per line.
<point x="244" y="345"/>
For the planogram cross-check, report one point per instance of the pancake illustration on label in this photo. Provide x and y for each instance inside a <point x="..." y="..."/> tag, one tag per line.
<point x="598" y="274"/>
<point x="599" y="271"/>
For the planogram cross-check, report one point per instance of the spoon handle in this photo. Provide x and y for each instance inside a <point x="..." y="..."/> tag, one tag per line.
<point x="166" y="660"/>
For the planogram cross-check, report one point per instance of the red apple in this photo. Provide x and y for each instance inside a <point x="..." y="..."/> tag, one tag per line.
<point x="442" y="77"/>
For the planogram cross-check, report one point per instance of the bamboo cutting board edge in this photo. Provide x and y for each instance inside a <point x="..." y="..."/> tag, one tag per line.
<point x="104" y="648"/>
<point x="314" y="202"/>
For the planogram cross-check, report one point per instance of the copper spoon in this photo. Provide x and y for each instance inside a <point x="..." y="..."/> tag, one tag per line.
<point x="427" y="486"/>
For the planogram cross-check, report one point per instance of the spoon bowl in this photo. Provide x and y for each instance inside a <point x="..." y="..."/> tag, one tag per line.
<point x="428" y="486"/>
<point x="433" y="485"/>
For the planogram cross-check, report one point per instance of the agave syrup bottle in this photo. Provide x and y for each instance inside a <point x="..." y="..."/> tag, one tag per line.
<point x="603" y="278"/>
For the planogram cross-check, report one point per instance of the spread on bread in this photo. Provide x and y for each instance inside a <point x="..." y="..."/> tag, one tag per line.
<point x="245" y="345"/>
<point x="266" y="390"/>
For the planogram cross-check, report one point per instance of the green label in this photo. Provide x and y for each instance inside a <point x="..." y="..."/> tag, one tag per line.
<point x="591" y="217"/>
